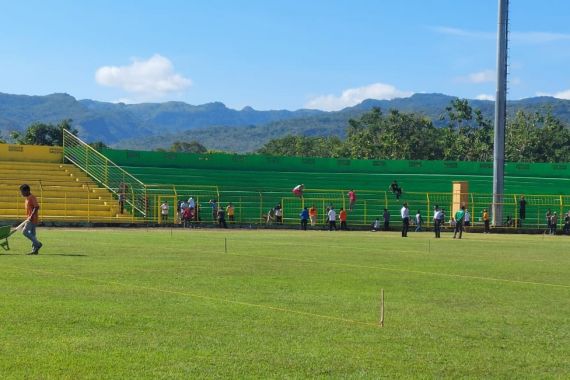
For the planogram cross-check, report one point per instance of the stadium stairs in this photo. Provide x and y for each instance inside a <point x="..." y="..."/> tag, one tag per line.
<point x="64" y="192"/>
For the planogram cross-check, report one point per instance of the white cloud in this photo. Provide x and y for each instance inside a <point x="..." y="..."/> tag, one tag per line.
<point x="145" y="79"/>
<point x="520" y="37"/>
<point x="560" y="95"/>
<point x="479" y="77"/>
<point x="485" y="97"/>
<point x="463" y="33"/>
<point x="353" y="96"/>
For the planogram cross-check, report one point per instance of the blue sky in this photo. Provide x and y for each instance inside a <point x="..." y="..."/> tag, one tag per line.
<point x="279" y="54"/>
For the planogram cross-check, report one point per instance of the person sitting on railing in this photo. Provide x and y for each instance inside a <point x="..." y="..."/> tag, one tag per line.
<point x="298" y="190"/>
<point x="395" y="189"/>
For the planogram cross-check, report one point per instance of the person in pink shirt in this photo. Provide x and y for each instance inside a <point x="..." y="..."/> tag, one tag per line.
<point x="298" y="190"/>
<point x="351" y="199"/>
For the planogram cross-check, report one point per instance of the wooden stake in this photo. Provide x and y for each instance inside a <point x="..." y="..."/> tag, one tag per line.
<point x="382" y="308"/>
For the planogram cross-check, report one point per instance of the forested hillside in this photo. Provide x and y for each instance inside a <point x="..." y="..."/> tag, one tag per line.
<point x="159" y="125"/>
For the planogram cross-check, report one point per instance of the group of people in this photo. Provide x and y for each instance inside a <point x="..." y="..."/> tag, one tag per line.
<point x="460" y="220"/>
<point x="552" y="221"/>
<point x="188" y="212"/>
<point x="310" y="214"/>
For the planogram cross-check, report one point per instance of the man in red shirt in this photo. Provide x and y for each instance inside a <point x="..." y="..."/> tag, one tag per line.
<point x="32" y="209"/>
<point x="342" y="218"/>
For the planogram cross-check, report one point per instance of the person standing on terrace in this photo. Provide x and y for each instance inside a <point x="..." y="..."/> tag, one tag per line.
<point x="351" y="199"/>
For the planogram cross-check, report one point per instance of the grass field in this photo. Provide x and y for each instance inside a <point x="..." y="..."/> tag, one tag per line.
<point x="172" y="304"/>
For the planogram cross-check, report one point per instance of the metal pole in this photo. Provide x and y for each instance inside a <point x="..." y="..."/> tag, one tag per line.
<point x="500" y="114"/>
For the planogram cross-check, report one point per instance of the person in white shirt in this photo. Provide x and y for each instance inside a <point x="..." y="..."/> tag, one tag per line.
<point x="164" y="211"/>
<point x="191" y="202"/>
<point x="278" y="213"/>
<point x="376" y="225"/>
<point x="467" y="218"/>
<point x="437" y="218"/>
<point x="405" y="213"/>
<point x="332" y="219"/>
<point x="419" y="221"/>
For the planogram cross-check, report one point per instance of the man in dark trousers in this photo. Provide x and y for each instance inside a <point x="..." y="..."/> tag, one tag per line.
<point x="522" y="210"/>
<point x="405" y="213"/>
<point x="386" y="217"/>
<point x="437" y="215"/>
<point x="459" y="220"/>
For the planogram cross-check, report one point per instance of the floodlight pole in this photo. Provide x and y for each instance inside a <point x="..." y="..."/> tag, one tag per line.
<point x="500" y="114"/>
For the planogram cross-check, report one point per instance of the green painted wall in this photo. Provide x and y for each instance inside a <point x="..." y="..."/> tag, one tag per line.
<point x="293" y="164"/>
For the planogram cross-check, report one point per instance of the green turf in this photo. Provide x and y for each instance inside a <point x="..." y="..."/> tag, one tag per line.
<point x="155" y="304"/>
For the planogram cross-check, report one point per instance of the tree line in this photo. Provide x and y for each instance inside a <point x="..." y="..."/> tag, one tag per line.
<point x="465" y="136"/>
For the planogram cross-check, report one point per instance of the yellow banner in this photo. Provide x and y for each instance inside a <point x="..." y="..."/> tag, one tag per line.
<point x="31" y="153"/>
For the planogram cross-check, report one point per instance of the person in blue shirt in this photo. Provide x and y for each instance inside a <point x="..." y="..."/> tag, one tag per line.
<point x="304" y="218"/>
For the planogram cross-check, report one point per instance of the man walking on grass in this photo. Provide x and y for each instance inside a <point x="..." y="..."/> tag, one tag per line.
<point x="459" y="220"/>
<point x="32" y="209"/>
<point x="437" y="217"/>
<point x="405" y="213"/>
<point x="332" y="219"/>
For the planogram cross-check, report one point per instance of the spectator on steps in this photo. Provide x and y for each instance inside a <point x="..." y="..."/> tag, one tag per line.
<point x="351" y="199"/>
<point x="395" y="189"/>
<point x="298" y="190"/>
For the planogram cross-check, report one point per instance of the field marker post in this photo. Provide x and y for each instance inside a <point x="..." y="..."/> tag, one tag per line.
<point x="382" y="308"/>
<point x="225" y="245"/>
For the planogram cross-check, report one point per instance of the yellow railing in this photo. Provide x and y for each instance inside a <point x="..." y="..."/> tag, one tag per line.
<point x="87" y="203"/>
<point x="106" y="173"/>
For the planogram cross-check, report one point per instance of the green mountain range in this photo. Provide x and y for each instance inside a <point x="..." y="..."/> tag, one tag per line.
<point x="158" y="125"/>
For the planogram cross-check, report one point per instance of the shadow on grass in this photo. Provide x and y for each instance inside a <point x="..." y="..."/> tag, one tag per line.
<point x="45" y="254"/>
